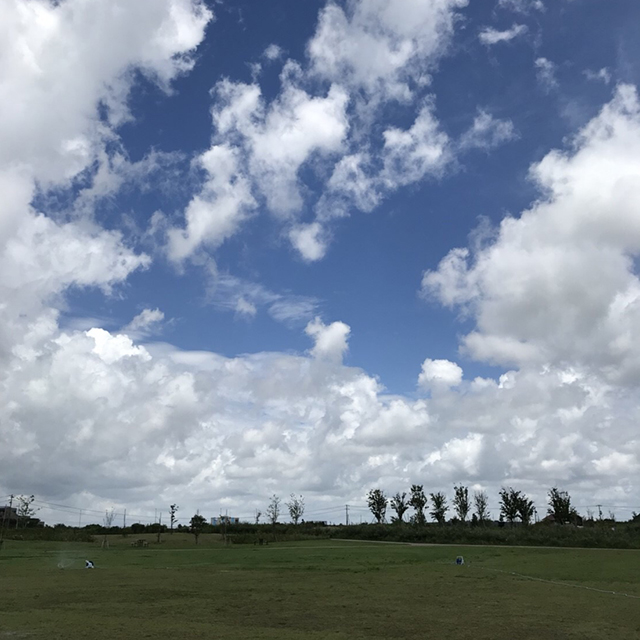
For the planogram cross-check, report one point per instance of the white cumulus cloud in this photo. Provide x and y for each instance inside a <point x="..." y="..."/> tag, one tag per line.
<point x="309" y="241"/>
<point x="331" y="341"/>
<point x="383" y="47"/>
<point x="558" y="285"/>
<point x="437" y="374"/>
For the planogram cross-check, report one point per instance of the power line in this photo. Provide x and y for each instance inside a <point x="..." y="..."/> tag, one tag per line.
<point x="65" y="508"/>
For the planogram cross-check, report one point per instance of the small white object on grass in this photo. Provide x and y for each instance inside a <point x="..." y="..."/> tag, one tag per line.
<point x="88" y="564"/>
<point x="459" y="560"/>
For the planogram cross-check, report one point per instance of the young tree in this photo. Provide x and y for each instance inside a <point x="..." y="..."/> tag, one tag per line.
<point x="196" y="525"/>
<point x="173" y="509"/>
<point x="158" y="528"/>
<point x="481" y="502"/>
<point x="418" y="502"/>
<point x="440" y="508"/>
<point x="109" y="515"/>
<point x="296" y="508"/>
<point x="273" y="510"/>
<point x="377" y="502"/>
<point x="25" y="510"/>
<point x="400" y="505"/>
<point x="461" y="502"/>
<point x="509" y="503"/>
<point x="560" y="506"/>
<point x="258" y="514"/>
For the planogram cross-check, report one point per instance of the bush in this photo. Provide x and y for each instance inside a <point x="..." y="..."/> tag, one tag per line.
<point x="623" y="537"/>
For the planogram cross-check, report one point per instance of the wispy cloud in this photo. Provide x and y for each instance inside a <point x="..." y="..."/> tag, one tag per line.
<point x="148" y="321"/>
<point x="247" y="298"/>
<point x="273" y="52"/>
<point x="490" y="36"/>
<point x="603" y="75"/>
<point x="546" y="73"/>
<point x="522" y="6"/>
<point x="487" y="132"/>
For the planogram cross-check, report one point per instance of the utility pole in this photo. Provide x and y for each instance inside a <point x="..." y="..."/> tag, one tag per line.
<point x="4" y="517"/>
<point x="124" y="519"/>
<point x="346" y="513"/>
<point x="80" y="519"/>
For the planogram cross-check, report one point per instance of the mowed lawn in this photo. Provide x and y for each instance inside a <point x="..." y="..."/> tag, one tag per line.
<point x="317" y="589"/>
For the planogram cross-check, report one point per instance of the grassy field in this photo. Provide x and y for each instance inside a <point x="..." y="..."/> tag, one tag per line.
<point x="319" y="589"/>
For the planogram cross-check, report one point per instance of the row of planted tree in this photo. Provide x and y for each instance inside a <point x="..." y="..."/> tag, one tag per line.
<point x="515" y="506"/>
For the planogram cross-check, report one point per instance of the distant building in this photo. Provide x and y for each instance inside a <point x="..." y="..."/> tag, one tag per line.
<point x="9" y="519"/>
<point x="8" y="516"/>
<point x="224" y="520"/>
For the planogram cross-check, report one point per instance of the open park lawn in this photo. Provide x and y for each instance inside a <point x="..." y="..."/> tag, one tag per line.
<point x="314" y="590"/>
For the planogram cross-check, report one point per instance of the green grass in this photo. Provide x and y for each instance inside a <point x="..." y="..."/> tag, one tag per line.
<point x="315" y="589"/>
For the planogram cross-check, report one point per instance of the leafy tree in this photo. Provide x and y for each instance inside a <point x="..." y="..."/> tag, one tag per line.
<point x="197" y="525"/>
<point x="273" y="510"/>
<point x="525" y="509"/>
<point x="377" y="502"/>
<point x="440" y="508"/>
<point x="138" y="527"/>
<point x="418" y="502"/>
<point x="400" y="505"/>
<point x="25" y="509"/>
<point x="509" y="503"/>
<point x="481" y="502"/>
<point x="514" y="504"/>
<point x="173" y="509"/>
<point x="560" y="506"/>
<point x="461" y="502"/>
<point x="296" y="508"/>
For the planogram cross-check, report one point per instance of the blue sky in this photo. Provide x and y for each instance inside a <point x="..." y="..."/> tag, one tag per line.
<point x="371" y="275"/>
<point x="261" y="231"/>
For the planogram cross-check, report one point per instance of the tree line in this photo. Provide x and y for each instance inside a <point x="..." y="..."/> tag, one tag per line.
<point x="515" y="506"/>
